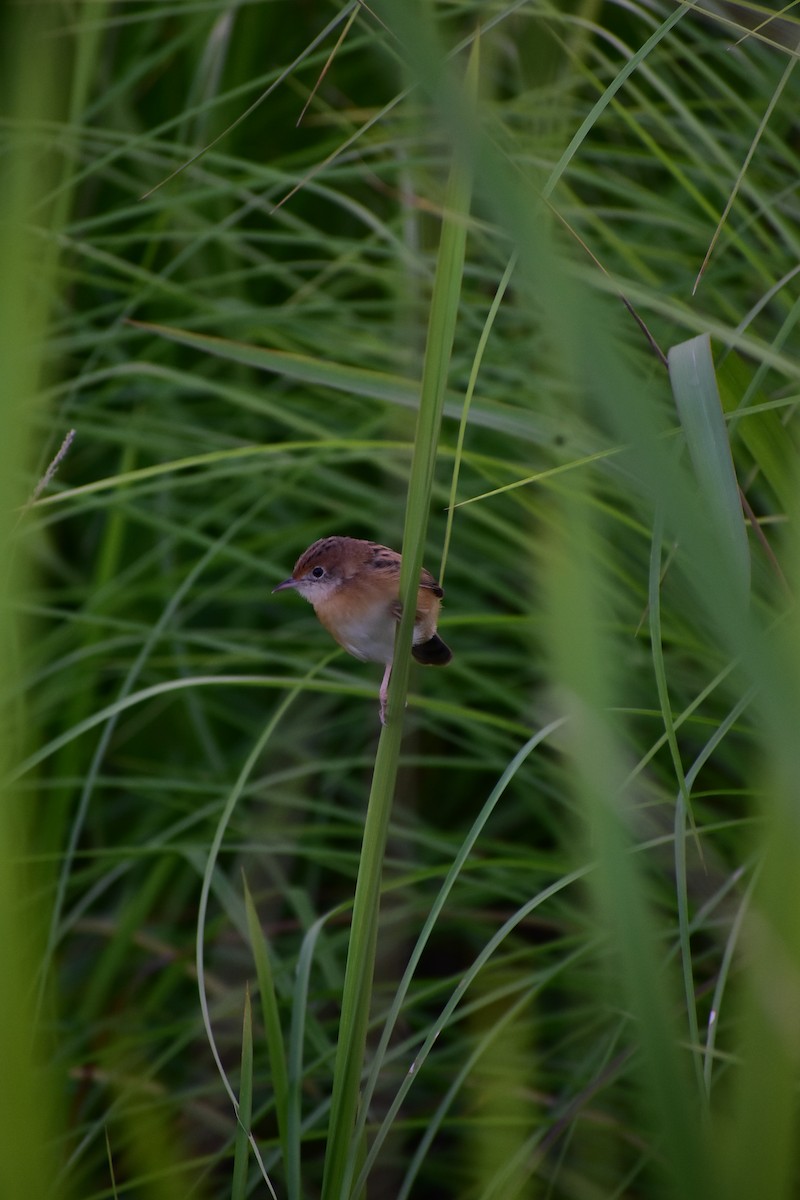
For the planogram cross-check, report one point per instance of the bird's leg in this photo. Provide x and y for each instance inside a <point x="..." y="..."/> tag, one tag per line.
<point x="384" y="693"/>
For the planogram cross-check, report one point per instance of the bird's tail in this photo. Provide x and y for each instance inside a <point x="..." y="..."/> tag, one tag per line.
<point x="434" y="652"/>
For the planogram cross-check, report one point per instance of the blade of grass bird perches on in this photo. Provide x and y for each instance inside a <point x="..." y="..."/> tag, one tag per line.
<point x="340" y="1164"/>
<point x="454" y="872"/>
<point x="284" y="75"/>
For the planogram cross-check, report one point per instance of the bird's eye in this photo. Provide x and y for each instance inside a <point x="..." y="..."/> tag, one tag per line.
<point x="318" y="572"/>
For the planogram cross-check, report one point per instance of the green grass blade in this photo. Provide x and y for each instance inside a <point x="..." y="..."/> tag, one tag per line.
<point x="631" y="65"/>
<point x="32" y="49"/>
<point x="694" y="386"/>
<point x="270" y="1015"/>
<point x="758" y="1151"/>
<point x="494" y="307"/>
<point x="302" y="368"/>
<point x="434" y="914"/>
<point x="300" y="1000"/>
<point x="771" y="444"/>
<point x="341" y="1153"/>
<point x="683" y="805"/>
<point x="231" y="801"/>
<point x="583" y="660"/>
<point x="244" y="1113"/>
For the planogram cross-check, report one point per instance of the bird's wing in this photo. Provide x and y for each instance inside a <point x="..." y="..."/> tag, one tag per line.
<point x="426" y="580"/>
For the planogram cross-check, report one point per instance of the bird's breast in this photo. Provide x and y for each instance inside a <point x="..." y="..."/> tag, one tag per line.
<point x="363" y="618"/>
<point x="365" y="632"/>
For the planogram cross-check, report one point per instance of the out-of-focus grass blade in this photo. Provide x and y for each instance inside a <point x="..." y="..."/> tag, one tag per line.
<point x="757" y="1131"/>
<point x="241" y="1151"/>
<point x="317" y="371"/>
<point x="769" y="442"/>
<point x="32" y="97"/>
<point x="270" y="1015"/>
<point x="584" y="658"/>
<point x="356" y="381"/>
<point x="694" y="386"/>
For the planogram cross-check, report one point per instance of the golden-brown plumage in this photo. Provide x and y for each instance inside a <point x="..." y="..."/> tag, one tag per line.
<point x="354" y="587"/>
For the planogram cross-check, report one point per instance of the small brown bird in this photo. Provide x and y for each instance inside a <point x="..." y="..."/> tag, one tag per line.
<point x="354" y="587"/>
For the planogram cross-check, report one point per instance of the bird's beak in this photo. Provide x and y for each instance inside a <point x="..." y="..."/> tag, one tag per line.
<point x="287" y="583"/>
